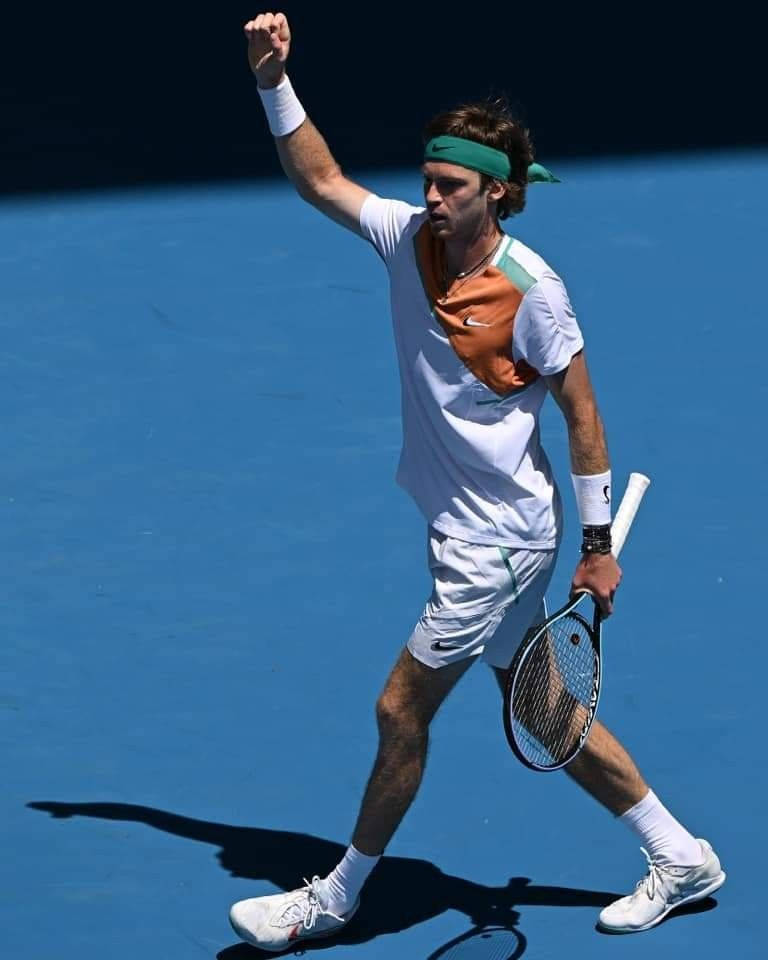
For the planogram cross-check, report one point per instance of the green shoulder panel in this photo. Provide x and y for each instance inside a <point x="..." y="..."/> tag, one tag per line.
<point x="516" y="273"/>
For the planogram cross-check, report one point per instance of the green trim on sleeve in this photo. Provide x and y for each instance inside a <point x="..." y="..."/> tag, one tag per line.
<point x="516" y="273"/>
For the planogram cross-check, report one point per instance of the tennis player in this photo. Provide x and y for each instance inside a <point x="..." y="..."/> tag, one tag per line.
<point x="483" y="329"/>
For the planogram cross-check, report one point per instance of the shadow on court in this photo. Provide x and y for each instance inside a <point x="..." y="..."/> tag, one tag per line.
<point x="401" y="892"/>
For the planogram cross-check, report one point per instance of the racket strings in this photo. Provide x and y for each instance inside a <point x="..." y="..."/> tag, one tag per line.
<point x="551" y="694"/>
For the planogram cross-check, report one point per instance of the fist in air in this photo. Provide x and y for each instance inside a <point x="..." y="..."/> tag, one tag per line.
<point x="269" y="40"/>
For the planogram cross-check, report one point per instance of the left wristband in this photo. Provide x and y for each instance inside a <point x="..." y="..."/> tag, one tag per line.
<point x="283" y="108"/>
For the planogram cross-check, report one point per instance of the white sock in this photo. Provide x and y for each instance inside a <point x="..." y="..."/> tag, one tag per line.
<point x="343" y="885"/>
<point x="666" y="840"/>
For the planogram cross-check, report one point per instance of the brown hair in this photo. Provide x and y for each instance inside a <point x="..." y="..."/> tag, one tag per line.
<point x="491" y="122"/>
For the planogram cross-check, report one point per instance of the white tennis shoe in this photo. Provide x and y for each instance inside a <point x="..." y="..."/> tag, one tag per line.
<point x="282" y="920"/>
<point x="663" y="889"/>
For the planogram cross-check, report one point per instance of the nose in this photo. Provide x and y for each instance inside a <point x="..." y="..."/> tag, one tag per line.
<point x="432" y="195"/>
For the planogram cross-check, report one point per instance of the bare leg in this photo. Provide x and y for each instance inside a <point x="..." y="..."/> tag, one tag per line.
<point x="604" y="768"/>
<point x="410" y="699"/>
<point x="607" y="772"/>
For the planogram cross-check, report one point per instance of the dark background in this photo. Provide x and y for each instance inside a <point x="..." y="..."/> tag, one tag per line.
<point x="96" y="96"/>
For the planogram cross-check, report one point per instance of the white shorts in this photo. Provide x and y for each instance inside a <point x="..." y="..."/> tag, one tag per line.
<point x="483" y="600"/>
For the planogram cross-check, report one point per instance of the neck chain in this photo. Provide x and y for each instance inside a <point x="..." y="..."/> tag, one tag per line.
<point x="464" y="275"/>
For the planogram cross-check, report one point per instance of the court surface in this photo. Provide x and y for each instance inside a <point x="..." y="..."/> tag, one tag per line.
<point x="209" y="571"/>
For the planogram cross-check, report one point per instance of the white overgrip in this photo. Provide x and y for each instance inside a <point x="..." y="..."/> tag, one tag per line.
<point x="636" y="487"/>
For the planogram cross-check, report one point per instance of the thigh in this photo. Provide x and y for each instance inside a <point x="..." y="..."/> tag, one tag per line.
<point x="415" y="689"/>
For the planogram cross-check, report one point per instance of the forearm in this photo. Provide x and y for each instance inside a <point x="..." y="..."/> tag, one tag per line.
<point x="586" y="441"/>
<point x="303" y="152"/>
<point x="597" y="571"/>
<point x="306" y="160"/>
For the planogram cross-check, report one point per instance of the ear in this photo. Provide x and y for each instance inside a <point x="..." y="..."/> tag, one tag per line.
<point x="496" y="190"/>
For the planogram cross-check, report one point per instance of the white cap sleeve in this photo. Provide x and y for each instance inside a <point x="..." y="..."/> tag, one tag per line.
<point x="383" y="222"/>
<point x="546" y="333"/>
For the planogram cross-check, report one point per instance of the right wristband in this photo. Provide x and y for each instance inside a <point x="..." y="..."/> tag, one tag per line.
<point x="593" y="498"/>
<point x="283" y="108"/>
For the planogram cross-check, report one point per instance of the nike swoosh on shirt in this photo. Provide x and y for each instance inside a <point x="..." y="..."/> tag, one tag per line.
<point x="470" y="322"/>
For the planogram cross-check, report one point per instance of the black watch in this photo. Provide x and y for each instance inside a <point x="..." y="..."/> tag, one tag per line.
<point x="596" y="539"/>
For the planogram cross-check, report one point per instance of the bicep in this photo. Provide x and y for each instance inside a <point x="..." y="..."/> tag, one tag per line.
<point x="572" y="388"/>
<point x="341" y="200"/>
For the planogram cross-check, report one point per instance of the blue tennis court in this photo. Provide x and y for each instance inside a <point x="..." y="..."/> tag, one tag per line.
<point x="209" y="572"/>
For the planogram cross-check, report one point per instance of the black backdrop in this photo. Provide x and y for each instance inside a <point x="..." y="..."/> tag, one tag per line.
<point x="95" y="96"/>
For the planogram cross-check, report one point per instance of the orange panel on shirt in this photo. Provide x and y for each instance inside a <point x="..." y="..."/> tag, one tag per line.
<point x="478" y="317"/>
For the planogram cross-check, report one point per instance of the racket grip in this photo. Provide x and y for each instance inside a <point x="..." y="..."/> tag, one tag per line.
<point x="636" y="487"/>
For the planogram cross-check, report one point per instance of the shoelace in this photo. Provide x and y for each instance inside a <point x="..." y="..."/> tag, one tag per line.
<point x="312" y="910"/>
<point x="654" y="878"/>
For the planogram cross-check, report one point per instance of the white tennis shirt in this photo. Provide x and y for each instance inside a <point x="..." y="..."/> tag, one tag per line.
<point x="471" y="458"/>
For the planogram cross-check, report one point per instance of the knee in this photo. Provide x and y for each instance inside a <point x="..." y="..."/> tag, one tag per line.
<point x="398" y="719"/>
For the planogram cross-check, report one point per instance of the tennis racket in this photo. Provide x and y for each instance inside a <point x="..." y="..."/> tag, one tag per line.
<point x="553" y="684"/>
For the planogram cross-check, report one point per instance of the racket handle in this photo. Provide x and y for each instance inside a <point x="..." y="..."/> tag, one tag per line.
<point x="638" y="484"/>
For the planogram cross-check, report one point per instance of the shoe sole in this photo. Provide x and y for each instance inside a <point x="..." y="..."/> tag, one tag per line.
<point x="245" y="935"/>
<point x="699" y="895"/>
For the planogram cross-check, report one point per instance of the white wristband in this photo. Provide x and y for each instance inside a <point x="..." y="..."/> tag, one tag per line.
<point x="284" y="111"/>
<point x="593" y="498"/>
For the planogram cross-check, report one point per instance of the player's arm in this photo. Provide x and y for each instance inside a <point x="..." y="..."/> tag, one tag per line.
<point x="304" y="154"/>
<point x="572" y="389"/>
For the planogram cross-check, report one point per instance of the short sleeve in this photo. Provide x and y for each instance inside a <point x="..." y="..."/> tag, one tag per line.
<point x="546" y="334"/>
<point x="383" y="223"/>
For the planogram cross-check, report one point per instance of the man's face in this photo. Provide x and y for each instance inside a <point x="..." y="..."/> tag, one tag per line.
<point x="455" y="201"/>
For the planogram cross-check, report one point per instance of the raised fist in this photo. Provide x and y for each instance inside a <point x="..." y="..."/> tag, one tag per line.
<point x="269" y="40"/>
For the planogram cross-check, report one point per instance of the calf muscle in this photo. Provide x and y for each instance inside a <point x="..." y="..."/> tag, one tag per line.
<point x="603" y="767"/>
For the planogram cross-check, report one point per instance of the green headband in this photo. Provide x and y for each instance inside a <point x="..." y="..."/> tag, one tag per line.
<point x="476" y="156"/>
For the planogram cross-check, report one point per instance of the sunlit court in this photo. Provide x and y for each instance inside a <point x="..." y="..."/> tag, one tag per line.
<point x="206" y="554"/>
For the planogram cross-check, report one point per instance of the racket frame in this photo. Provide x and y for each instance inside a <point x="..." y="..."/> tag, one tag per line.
<point x="529" y="641"/>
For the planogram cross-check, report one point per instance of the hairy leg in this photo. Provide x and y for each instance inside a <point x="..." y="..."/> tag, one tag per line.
<point x="410" y="699"/>
<point x="603" y="768"/>
<point x="607" y="772"/>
